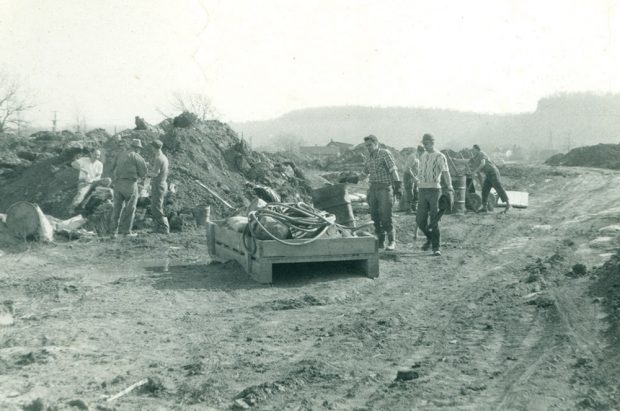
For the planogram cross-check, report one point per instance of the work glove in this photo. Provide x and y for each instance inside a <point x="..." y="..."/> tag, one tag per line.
<point x="447" y="200"/>
<point x="349" y="179"/>
<point x="398" y="189"/>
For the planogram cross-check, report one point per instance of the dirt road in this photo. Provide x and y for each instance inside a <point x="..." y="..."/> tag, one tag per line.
<point x="501" y="321"/>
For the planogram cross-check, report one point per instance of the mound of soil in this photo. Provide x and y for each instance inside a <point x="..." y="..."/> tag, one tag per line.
<point x="37" y="168"/>
<point x="207" y="151"/>
<point x="600" y="156"/>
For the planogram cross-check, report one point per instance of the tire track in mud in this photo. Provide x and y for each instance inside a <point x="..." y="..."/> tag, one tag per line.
<point x="456" y="323"/>
<point x="558" y="320"/>
<point x="532" y="355"/>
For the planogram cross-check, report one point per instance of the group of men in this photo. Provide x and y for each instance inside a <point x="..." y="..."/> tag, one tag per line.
<point x="428" y="189"/>
<point x="128" y="168"/>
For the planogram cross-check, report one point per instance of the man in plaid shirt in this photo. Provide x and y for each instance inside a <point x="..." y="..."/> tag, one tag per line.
<point x="384" y="185"/>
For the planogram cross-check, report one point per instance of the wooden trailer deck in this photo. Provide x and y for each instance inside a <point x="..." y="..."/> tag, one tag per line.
<point x="227" y="244"/>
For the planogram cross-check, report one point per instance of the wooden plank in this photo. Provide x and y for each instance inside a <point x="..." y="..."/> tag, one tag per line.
<point x="229" y="237"/>
<point x="262" y="272"/>
<point x="371" y="267"/>
<point x="322" y="246"/>
<point x="518" y="199"/>
<point x="229" y="254"/>
<point x="318" y="258"/>
<point x="211" y="239"/>
<point x="228" y="244"/>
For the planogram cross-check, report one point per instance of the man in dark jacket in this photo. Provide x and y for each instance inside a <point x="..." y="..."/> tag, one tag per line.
<point x="128" y="168"/>
<point x="484" y="165"/>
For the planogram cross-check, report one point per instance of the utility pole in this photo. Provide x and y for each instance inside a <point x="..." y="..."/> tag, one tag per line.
<point x="551" y="140"/>
<point x="54" y="121"/>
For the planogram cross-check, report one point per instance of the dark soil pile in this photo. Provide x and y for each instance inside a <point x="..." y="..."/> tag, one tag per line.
<point x="600" y="156"/>
<point x="607" y="289"/>
<point x="37" y="168"/>
<point x="209" y="152"/>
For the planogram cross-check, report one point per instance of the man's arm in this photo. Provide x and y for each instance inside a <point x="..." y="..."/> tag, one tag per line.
<point x="141" y="167"/>
<point x="445" y="175"/>
<point x="156" y="169"/>
<point x="99" y="171"/>
<point x="483" y="162"/>
<point x="415" y="170"/>
<point x="77" y="163"/>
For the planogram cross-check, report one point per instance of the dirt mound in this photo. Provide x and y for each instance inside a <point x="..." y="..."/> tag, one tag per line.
<point x="208" y="151"/>
<point x="600" y="156"/>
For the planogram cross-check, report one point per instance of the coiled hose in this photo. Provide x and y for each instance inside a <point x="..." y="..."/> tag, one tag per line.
<point x="302" y="220"/>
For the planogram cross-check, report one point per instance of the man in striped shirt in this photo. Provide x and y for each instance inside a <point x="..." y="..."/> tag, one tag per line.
<point x="433" y="168"/>
<point x="384" y="185"/>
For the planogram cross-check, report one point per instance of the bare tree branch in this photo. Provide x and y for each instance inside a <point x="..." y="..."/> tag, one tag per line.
<point x="197" y="103"/>
<point x="14" y="100"/>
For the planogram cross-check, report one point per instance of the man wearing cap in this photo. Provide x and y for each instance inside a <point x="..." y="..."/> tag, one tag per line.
<point x="90" y="169"/>
<point x="433" y="168"/>
<point x="409" y="201"/>
<point x="384" y="185"/>
<point x="128" y="168"/>
<point x="159" y="188"/>
<point x="483" y="164"/>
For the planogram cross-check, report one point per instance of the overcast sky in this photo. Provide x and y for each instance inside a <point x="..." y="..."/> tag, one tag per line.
<point x="109" y="60"/>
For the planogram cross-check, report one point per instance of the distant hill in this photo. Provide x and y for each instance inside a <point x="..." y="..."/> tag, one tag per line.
<point x="559" y="123"/>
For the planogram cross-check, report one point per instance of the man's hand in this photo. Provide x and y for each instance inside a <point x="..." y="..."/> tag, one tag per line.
<point x="398" y="189"/>
<point x="449" y="194"/>
<point x="349" y="179"/>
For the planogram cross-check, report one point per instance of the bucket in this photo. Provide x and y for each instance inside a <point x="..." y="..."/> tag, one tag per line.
<point x="202" y="214"/>
<point x="335" y="199"/>
<point x="26" y="221"/>
<point x="22" y="220"/>
<point x="459" y="194"/>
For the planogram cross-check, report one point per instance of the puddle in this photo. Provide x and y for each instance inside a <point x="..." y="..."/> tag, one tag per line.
<point x="610" y="211"/>
<point x="544" y="227"/>
<point x="6" y="319"/>
<point x="602" y="242"/>
<point x="610" y="229"/>
<point x="511" y="244"/>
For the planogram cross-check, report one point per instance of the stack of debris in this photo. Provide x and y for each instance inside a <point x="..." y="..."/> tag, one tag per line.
<point x="205" y="151"/>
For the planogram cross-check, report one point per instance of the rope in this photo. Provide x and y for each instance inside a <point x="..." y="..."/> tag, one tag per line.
<point x="302" y="221"/>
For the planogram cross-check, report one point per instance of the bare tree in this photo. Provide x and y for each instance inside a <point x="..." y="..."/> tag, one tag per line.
<point x="14" y="100"/>
<point x="197" y="103"/>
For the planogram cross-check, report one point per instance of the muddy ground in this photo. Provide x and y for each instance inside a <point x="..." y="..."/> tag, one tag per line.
<point x="505" y="319"/>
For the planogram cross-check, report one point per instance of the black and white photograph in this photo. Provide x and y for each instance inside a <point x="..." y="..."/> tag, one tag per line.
<point x="307" y="205"/>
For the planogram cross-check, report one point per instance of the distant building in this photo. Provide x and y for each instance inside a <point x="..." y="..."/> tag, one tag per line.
<point x="332" y="149"/>
<point x="320" y="151"/>
<point x="342" y="147"/>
